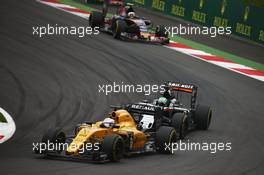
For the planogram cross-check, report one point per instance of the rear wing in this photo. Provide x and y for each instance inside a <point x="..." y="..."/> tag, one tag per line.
<point x="183" y="87"/>
<point x="190" y="88"/>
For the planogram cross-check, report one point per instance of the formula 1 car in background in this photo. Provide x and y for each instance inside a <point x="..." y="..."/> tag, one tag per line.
<point x="168" y="110"/>
<point x="126" y="25"/>
<point x="111" y="2"/>
<point x="115" y="136"/>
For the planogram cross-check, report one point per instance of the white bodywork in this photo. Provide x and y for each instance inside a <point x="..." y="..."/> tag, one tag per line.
<point x="147" y="121"/>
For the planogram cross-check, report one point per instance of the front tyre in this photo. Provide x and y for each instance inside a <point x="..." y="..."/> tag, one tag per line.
<point x="165" y="136"/>
<point x="119" y="27"/>
<point x="161" y="31"/>
<point x="113" y="146"/>
<point x="55" y="137"/>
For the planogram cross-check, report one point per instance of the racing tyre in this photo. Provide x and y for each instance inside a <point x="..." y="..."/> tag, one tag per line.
<point x="161" y="31"/>
<point x="113" y="146"/>
<point x="119" y="27"/>
<point x="76" y="129"/>
<point x="56" y="137"/>
<point x="164" y="137"/>
<point x="179" y="122"/>
<point x="203" y="116"/>
<point x="96" y="19"/>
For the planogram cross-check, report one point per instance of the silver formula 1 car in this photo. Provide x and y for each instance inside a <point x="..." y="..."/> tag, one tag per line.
<point x="126" y="25"/>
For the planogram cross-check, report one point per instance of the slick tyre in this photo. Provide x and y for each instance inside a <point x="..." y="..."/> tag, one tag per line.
<point x="161" y="31"/>
<point x="76" y="129"/>
<point x="179" y="122"/>
<point x="203" y="116"/>
<point x="118" y="28"/>
<point x="113" y="146"/>
<point x="56" y="137"/>
<point x="164" y="137"/>
<point x="96" y="19"/>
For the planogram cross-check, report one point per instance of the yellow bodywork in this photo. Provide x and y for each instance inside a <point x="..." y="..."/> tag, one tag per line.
<point x="95" y="133"/>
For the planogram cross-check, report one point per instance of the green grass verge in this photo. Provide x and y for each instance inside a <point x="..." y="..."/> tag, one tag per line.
<point x="213" y="51"/>
<point x="2" y="118"/>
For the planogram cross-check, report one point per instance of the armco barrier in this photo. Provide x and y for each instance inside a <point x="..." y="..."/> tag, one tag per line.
<point x="246" y="19"/>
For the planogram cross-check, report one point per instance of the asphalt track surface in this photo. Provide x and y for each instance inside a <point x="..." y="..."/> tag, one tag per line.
<point x="53" y="81"/>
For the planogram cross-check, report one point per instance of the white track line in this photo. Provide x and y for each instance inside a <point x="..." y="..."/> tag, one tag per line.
<point x="56" y="5"/>
<point x="230" y="65"/>
<point x="61" y="6"/>
<point x="190" y="51"/>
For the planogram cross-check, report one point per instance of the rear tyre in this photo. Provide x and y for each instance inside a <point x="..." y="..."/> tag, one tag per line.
<point x="179" y="122"/>
<point x="118" y="28"/>
<point x="203" y="116"/>
<point x="55" y="137"/>
<point x="96" y="19"/>
<point x="113" y="146"/>
<point x="164" y="137"/>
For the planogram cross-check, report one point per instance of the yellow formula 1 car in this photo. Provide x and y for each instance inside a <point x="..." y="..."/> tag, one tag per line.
<point x="107" y="140"/>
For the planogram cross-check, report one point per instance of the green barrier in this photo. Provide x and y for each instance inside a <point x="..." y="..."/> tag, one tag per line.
<point x="244" y="16"/>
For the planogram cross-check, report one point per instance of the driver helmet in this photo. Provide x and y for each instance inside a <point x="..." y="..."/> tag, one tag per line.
<point x="131" y="14"/>
<point x="162" y="101"/>
<point x="108" y="122"/>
